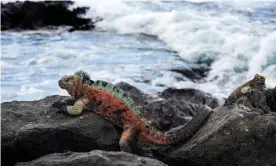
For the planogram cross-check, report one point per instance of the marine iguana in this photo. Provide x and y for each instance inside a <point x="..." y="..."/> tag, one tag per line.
<point x="113" y="104"/>
<point x="250" y="94"/>
<point x="257" y="83"/>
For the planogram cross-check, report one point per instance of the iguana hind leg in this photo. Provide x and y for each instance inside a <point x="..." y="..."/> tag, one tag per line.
<point x="127" y="137"/>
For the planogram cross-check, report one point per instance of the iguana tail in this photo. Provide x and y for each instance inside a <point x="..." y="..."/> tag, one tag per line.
<point x="179" y="134"/>
<point x="186" y="132"/>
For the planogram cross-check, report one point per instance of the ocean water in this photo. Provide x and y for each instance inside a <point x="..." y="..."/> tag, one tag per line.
<point x="139" y="42"/>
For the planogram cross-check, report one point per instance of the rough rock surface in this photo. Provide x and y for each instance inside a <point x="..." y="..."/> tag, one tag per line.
<point x="191" y="95"/>
<point x="33" y="15"/>
<point x="193" y="72"/>
<point x="229" y="137"/>
<point x="33" y="129"/>
<point x="271" y="98"/>
<point x="96" y="157"/>
<point x="167" y="114"/>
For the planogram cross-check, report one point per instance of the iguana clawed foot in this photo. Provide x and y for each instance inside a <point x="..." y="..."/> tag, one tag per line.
<point x="69" y="101"/>
<point x="61" y="105"/>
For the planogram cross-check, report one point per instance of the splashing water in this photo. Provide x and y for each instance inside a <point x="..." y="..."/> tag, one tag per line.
<point x="135" y="43"/>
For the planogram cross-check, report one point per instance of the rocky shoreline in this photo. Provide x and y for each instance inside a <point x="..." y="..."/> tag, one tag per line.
<point x="33" y="133"/>
<point x="29" y="15"/>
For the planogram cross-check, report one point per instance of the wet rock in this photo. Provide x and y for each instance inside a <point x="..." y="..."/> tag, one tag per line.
<point x="229" y="137"/>
<point x="193" y="72"/>
<point x="33" y="128"/>
<point x="191" y="95"/>
<point x="167" y="114"/>
<point x="271" y="98"/>
<point x="96" y="157"/>
<point x="33" y="15"/>
<point x="236" y="136"/>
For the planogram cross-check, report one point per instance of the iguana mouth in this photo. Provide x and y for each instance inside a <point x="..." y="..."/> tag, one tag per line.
<point x="61" y="85"/>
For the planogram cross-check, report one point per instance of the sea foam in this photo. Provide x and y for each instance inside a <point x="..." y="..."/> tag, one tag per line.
<point x="237" y="38"/>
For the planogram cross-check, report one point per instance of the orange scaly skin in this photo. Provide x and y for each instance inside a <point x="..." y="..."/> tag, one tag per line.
<point x="114" y="110"/>
<point x="104" y="103"/>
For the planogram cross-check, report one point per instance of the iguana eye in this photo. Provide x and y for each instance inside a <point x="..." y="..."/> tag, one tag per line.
<point x="262" y="79"/>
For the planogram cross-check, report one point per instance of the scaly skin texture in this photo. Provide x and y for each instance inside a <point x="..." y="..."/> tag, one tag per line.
<point x="255" y="84"/>
<point x="111" y="103"/>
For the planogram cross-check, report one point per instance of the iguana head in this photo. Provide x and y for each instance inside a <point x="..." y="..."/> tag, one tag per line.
<point x="73" y="83"/>
<point x="259" y="80"/>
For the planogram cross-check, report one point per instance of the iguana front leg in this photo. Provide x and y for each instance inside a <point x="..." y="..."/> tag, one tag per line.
<point x="127" y="137"/>
<point x="76" y="109"/>
<point x="235" y="99"/>
<point x="247" y="89"/>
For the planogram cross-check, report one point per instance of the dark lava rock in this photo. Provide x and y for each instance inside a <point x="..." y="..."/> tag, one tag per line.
<point x="167" y="114"/>
<point x="33" y="15"/>
<point x="237" y="136"/>
<point x="36" y="124"/>
<point x="271" y="98"/>
<point x="96" y="157"/>
<point x="191" y="95"/>
<point x="31" y="129"/>
<point x="193" y="72"/>
<point x="229" y="137"/>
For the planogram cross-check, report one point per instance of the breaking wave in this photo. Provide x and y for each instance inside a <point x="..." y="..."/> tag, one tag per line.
<point x="236" y="39"/>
